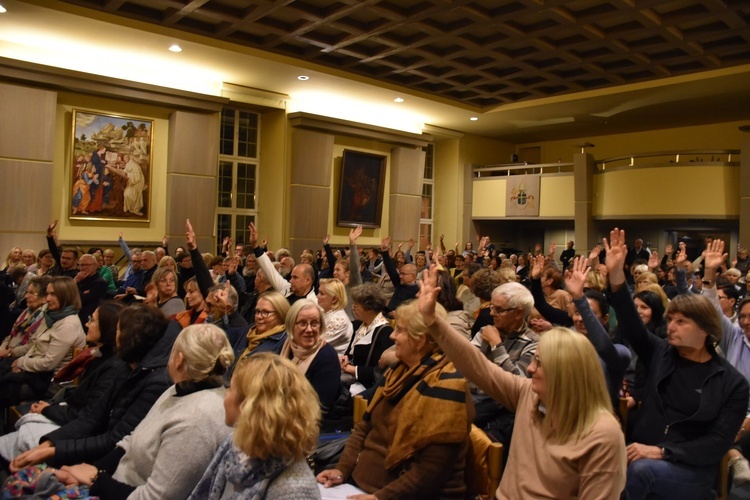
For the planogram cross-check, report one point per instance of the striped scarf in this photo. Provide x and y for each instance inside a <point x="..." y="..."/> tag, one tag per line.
<point x="430" y="406"/>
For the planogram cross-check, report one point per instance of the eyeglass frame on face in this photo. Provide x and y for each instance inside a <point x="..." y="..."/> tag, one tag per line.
<point x="264" y="314"/>
<point x="497" y="312"/>
<point x="315" y="325"/>
<point x="721" y="296"/>
<point x="537" y="360"/>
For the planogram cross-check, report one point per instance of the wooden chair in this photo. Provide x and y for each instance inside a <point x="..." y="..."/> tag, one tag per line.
<point x="722" y="480"/>
<point x="624" y="414"/>
<point x="360" y="407"/>
<point x="484" y="465"/>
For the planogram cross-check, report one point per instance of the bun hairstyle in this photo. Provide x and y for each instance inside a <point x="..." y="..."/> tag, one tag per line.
<point x="206" y="351"/>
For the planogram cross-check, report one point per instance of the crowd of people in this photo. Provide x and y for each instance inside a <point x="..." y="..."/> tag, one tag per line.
<point x="245" y="358"/>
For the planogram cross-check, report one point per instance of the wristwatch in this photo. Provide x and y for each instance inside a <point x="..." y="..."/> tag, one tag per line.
<point x="665" y="454"/>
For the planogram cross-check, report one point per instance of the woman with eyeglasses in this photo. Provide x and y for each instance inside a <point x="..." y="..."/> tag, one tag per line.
<point x="165" y="280"/>
<point x="268" y="334"/>
<point x="53" y="346"/>
<point x="97" y="369"/>
<point x="570" y="445"/>
<point x="306" y="347"/>
<point x="18" y="341"/>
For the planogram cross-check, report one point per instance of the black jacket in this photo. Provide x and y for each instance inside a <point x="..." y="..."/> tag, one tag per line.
<point x="97" y="430"/>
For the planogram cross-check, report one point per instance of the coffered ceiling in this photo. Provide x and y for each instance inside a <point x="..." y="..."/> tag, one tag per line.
<point x="538" y="68"/>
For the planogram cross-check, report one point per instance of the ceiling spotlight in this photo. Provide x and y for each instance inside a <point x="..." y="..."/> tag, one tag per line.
<point x="175" y="48"/>
<point x="2" y="9"/>
<point x="473" y="118"/>
<point x="303" y="78"/>
<point x="398" y="99"/>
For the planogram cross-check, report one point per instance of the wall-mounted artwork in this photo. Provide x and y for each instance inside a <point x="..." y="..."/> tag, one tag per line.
<point x="361" y="190"/>
<point x="111" y="167"/>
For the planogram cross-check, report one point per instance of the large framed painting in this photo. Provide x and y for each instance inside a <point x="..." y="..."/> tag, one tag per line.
<point x="361" y="190"/>
<point x="111" y="167"/>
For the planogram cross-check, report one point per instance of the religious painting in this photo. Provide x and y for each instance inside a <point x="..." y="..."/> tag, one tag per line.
<point x="361" y="189"/>
<point x="522" y="196"/>
<point x="111" y="167"/>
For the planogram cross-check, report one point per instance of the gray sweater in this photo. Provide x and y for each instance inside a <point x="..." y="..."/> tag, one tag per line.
<point x="168" y="452"/>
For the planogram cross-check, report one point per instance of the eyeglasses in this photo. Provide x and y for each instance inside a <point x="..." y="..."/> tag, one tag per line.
<point x="494" y="310"/>
<point x="722" y="297"/>
<point x="31" y="292"/>
<point x="303" y="325"/>
<point x="165" y="281"/>
<point x="264" y="314"/>
<point x="537" y="360"/>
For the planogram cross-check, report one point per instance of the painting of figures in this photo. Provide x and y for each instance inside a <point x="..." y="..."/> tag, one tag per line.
<point x="111" y="167"/>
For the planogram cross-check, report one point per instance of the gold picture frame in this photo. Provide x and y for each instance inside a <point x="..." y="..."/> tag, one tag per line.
<point x="110" y="167"/>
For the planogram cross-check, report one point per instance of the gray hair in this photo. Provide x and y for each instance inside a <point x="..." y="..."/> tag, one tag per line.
<point x="517" y="295"/>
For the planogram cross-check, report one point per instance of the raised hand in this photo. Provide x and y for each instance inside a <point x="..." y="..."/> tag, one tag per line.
<point x="51" y="228"/>
<point x="190" y="235"/>
<point x="617" y="251"/>
<point x="385" y="243"/>
<point x="428" y="292"/>
<point x="715" y="255"/>
<point x="537" y="248"/>
<point x="120" y="234"/>
<point x="575" y="279"/>
<point x="354" y="234"/>
<point x="681" y="257"/>
<point x="164" y="241"/>
<point x="411" y="243"/>
<point x="669" y="249"/>
<point x="653" y="261"/>
<point x="264" y="242"/>
<point x="232" y="265"/>
<point x="253" y="236"/>
<point x="552" y="248"/>
<point x="537" y="265"/>
<point x="326" y="239"/>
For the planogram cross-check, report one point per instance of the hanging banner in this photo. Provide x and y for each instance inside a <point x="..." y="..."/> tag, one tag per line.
<point x="522" y="196"/>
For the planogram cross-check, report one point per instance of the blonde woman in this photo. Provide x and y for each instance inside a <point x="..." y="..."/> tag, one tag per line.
<point x="571" y="446"/>
<point x="152" y="461"/>
<point x="332" y="298"/>
<point x="165" y="280"/>
<point x="275" y="413"/>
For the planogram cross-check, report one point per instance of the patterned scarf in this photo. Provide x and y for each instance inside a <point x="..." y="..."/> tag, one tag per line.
<point x="430" y="406"/>
<point x="250" y="477"/>
<point x="27" y="323"/>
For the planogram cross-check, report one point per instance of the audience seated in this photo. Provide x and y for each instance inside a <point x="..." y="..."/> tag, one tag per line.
<point x="404" y="279"/>
<point x="558" y="452"/>
<point x="694" y="401"/>
<point x="50" y="348"/>
<point x="144" y="341"/>
<point x="275" y="414"/>
<point x="269" y="332"/>
<point x="91" y="287"/>
<point x="151" y="462"/>
<point x="413" y="439"/>
<point x="96" y="369"/>
<point x="19" y="340"/>
<point x="165" y="280"/>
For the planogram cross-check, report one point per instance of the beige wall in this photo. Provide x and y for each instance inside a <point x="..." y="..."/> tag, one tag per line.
<point x="555" y="197"/>
<point x="713" y="136"/>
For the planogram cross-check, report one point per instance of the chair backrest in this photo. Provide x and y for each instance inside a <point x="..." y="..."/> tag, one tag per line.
<point x="722" y="480"/>
<point x="624" y="414"/>
<point x="360" y="406"/>
<point x="484" y="464"/>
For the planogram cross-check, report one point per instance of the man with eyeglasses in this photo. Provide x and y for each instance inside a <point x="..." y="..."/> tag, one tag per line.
<point x="404" y="278"/>
<point x="91" y="287"/>
<point x="728" y="297"/>
<point x="510" y="344"/>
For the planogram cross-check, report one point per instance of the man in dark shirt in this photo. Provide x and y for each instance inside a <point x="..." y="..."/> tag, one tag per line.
<point x="65" y="260"/>
<point x="404" y="280"/>
<point x="567" y="255"/>
<point x="91" y="287"/>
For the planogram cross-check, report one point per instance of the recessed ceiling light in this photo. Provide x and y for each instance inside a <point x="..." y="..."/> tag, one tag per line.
<point x="2" y="9"/>
<point x="175" y="48"/>
<point x="303" y="78"/>
<point x="473" y="118"/>
<point x="398" y="99"/>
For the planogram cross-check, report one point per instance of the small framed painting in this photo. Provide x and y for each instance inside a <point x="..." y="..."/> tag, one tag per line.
<point x="361" y="189"/>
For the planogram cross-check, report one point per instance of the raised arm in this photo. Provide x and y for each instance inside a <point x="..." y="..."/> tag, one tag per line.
<point x="124" y="247"/>
<point x="52" y="243"/>
<point x="390" y="266"/>
<point x="330" y="256"/>
<point x="551" y="314"/>
<point x="493" y="380"/>
<point x="202" y="276"/>
<point x="272" y="275"/>
<point x="355" y="276"/>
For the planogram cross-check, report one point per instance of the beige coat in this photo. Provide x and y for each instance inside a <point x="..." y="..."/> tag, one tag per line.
<point x="53" y="347"/>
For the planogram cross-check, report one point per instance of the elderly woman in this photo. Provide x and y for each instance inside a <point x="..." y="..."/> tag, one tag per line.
<point x="275" y="414"/>
<point x="694" y="401"/>
<point x="96" y="367"/>
<point x="165" y="280"/>
<point x="51" y="348"/>
<point x="558" y="453"/>
<point x="371" y="339"/>
<point x="332" y="298"/>
<point x="308" y="350"/>
<point x="18" y="342"/>
<point x="412" y="442"/>
<point x="151" y="462"/>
